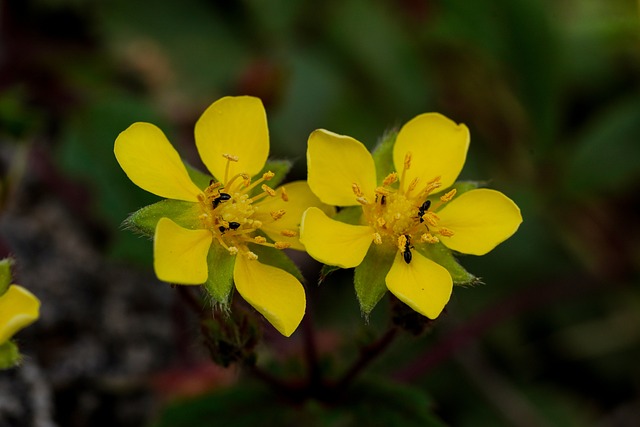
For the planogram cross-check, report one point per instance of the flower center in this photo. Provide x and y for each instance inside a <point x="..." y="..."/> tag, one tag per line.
<point x="229" y="211"/>
<point x="403" y="214"/>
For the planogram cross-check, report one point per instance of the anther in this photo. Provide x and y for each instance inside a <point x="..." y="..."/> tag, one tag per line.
<point x="381" y="222"/>
<point x="282" y="245"/>
<point x="390" y="179"/>
<point x="270" y="191"/>
<point x="412" y="185"/>
<point x="445" y="232"/>
<point x="377" y="239"/>
<point x="284" y="194"/>
<point x="448" y="196"/>
<point x="429" y="238"/>
<point x="259" y="239"/>
<point x="431" y="218"/>
<point x="268" y="175"/>
<point x="356" y="190"/>
<point x="233" y="250"/>
<point x="276" y="215"/>
<point x="256" y="224"/>
<point x="252" y="256"/>
<point x="362" y="200"/>
<point x="402" y="242"/>
<point x="288" y="233"/>
<point x="383" y="191"/>
<point x="407" y="160"/>
<point x="231" y="157"/>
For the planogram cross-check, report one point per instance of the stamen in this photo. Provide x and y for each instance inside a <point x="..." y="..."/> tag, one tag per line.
<point x="383" y="191"/>
<point x="231" y="157"/>
<point x="381" y="222"/>
<point x="377" y="239"/>
<point x="270" y="191"/>
<point x="431" y="185"/>
<point x="276" y="215"/>
<point x="412" y="185"/>
<point x="288" y="233"/>
<point x="390" y="179"/>
<point x="268" y="175"/>
<point x="232" y="250"/>
<point x="284" y="194"/>
<point x="259" y="239"/>
<point x="256" y="224"/>
<point x="429" y="238"/>
<point x="282" y="245"/>
<point x="431" y="218"/>
<point x="201" y="197"/>
<point x="356" y="190"/>
<point x="448" y="196"/>
<point x="407" y="165"/>
<point x="362" y="200"/>
<point x="252" y="256"/>
<point x="445" y="232"/>
<point x="402" y="242"/>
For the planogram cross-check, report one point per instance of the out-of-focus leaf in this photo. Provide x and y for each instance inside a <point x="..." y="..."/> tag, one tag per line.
<point x="383" y="156"/>
<point x="5" y="274"/>
<point x="606" y="157"/>
<point x="9" y="355"/>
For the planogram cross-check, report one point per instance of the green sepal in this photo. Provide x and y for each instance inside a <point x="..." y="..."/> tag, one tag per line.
<point x="9" y="355"/>
<point x="276" y="258"/>
<point x="370" y="275"/>
<point x="325" y="271"/>
<point x="144" y="220"/>
<point x="219" y="283"/>
<point x="351" y="215"/>
<point x="5" y="274"/>
<point x="199" y="178"/>
<point x="442" y="255"/>
<point x="383" y="155"/>
<point x="279" y="167"/>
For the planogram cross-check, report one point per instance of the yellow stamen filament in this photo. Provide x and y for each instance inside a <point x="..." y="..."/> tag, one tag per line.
<point x="412" y="185"/>
<point x="445" y="232"/>
<point x="390" y="179"/>
<point x="282" y="245"/>
<point x="230" y="158"/>
<point x="356" y="190"/>
<point x="402" y="242"/>
<point x="270" y="191"/>
<point x="382" y="191"/>
<point x="259" y="239"/>
<point x="448" y="196"/>
<point x="276" y="215"/>
<point x="244" y="176"/>
<point x="288" y="233"/>
<point x="284" y="194"/>
<point x="377" y="239"/>
<point x="429" y="238"/>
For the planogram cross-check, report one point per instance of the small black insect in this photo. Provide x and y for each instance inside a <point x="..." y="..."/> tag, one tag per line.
<point x="406" y="254"/>
<point x="423" y="209"/>
<point x="383" y="200"/>
<point x="234" y="225"/>
<point x="222" y="197"/>
<point x="222" y="229"/>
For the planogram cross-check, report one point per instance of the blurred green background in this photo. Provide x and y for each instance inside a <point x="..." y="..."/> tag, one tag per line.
<point x="549" y="90"/>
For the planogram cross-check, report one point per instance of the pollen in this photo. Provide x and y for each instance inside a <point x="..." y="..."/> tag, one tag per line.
<point x="402" y="242"/>
<point x="231" y="157"/>
<point x="284" y="195"/>
<point x="407" y="160"/>
<point x="259" y="239"/>
<point x="233" y="250"/>
<point x="362" y="200"/>
<point x="381" y="222"/>
<point x="289" y="233"/>
<point x="448" y="196"/>
<point x="356" y="190"/>
<point x="268" y="175"/>
<point x="431" y="218"/>
<point x="282" y="245"/>
<point x="276" y="215"/>
<point x="270" y="191"/>
<point x="251" y="255"/>
<point x="390" y="179"/>
<point x="377" y="238"/>
<point x="429" y="238"/>
<point x="445" y="232"/>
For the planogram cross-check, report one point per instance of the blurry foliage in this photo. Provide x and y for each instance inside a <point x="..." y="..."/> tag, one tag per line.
<point x="549" y="90"/>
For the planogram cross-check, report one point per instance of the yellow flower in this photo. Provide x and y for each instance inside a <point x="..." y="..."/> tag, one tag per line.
<point x="221" y="229"/>
<point x="401" y="214"/>
<point x="18" y="309"/>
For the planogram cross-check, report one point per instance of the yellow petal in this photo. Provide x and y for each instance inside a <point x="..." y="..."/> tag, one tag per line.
<point x="480" y="220"/>
<point x="179" y="254"/>
<point x="236" y="126"/>
<point x="18" y="309"/>
<point x="300" y="198"/>
<point x="438" y="147"/>
<point x="333" y="242"/>
<point x="276" y="294"/>
<point x="150" y="161"/>
<point x="336" y="162"/>
<point x="422" y="284"/>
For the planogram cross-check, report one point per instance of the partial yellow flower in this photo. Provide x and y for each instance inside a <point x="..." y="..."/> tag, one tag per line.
<point x="18" y="309"/>
<point x="404" y="210"/>
<point x="224" y="223"/>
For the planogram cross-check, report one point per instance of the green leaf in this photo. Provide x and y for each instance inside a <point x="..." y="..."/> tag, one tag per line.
<point x="277" y="258"/>
<point x="369" y="277"/>
<point x="9" y="355"/>
<point x="377" y="402"/>
<point x="383" y="155"/>
<point x="183" y="213"/>
<point x="442" y="255"/>
<point x="325" y="271"/>
<point x="198" y="177"/>
<point x="219" y="283"/>
<point x="5" y="274"/>
<point x="351" y="215"/>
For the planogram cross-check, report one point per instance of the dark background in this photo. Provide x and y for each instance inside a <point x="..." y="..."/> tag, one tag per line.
<point x="549" y="90"/>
